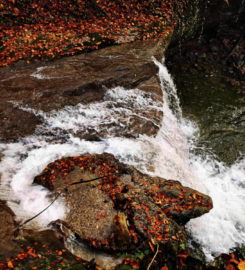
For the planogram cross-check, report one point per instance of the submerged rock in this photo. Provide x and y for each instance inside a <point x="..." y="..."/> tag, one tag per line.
<point x="121" y="208"/>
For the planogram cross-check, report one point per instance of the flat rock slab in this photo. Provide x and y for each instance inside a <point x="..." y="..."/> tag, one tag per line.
<point x="78" y="79"/>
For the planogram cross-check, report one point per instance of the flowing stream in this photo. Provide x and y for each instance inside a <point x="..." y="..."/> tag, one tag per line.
<point x="170" y="155"/>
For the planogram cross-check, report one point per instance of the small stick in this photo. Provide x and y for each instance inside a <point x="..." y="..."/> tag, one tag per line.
<point x="149" y="266"/>
<point x="30" y="219"/>
<point x="86" y="181"/>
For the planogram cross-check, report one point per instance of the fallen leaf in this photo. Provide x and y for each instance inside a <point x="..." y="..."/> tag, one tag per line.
<point x="10" y="264"/>
<point x="241" y="265"/>
<point x="230" y="267"/>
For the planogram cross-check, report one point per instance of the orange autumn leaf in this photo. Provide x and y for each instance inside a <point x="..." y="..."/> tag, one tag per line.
<point x="10" y="264"/>
<point x="32" y="253"/>
<point x="151" y="246"/>
<point x="69" y="34"/>
<point x="241" y="265"/>
<point x="230" y="267"/>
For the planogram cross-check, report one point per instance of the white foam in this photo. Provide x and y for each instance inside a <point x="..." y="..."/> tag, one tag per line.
<point x="224" y="227"/>
<point x="109" y="116"/>
<point x="23" y="160"/>
<point x="38" y="75"/>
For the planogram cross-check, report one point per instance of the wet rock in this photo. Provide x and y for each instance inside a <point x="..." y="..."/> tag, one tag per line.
<point x="180" y="203"/>
<point x="79" y="79"/>
<point x="16" y="123"/>
<point x="81" y="249"/>
<point x="54" y="240"/>
<point x="92" y="215"/>
<point x="7" y="232"/>
<point x="120" y="207"/>
<point x="152" y="222"/>
<point x="46" y="237"/>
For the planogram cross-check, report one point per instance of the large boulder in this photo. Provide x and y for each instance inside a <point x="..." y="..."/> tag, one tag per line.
<point x="120" y="207"/>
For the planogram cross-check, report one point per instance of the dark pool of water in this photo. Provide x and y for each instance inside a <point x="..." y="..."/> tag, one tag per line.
<point x="219" y="110"/>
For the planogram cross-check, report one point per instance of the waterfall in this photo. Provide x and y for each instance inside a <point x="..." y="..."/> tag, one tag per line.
<point x="223" y="228"/>
<point x="168" y="155"/>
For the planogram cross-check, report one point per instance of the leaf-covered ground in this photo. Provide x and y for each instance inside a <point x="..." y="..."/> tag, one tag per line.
<point x="39" y="256"/>
<point x="40" y="30"/>
<point x="36" y="255"/>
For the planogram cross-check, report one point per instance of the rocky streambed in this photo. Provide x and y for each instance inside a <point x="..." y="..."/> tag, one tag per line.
<point x="61" y="119"/>
<point x="123" y="210"/>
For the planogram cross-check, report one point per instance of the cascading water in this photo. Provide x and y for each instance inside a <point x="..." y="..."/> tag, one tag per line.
<point x="224" y="227"/>
<point x="168" y="155"/>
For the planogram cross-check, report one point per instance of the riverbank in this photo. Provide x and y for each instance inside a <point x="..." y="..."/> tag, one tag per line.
<point x="34" y="31"/>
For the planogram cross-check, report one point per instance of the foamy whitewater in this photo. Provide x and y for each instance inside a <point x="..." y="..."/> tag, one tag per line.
<point x="167" y="155"/>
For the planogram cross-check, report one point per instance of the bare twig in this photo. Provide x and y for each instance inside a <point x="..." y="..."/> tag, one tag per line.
<point x="154" y="257"/>
<point x="30" y="219"/>
<point x="86" y="181"/>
